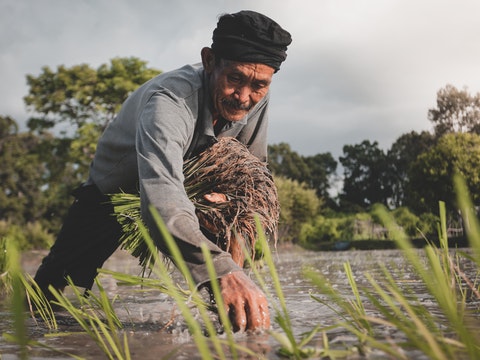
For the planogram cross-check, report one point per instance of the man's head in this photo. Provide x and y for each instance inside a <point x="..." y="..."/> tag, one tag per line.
<point x="247" y="50"/>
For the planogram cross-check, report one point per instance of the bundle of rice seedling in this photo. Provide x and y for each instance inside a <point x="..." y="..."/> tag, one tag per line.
<point x="227" y="168"/>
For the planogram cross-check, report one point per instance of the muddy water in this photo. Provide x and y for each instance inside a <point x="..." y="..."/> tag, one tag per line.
<point x="155" y="330"/>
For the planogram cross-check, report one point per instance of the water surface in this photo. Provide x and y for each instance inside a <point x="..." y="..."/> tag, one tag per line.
<point x="155" y="330"/>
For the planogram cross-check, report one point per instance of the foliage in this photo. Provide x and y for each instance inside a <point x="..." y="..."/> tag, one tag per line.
<point x="298" y="205"/>
<point x="431" y="176"/>
<point x="401" y="155"/>
<point x="22" y="174"/>
<point x="30" y="236"/>
<point x="83" y="147"/>
<point x="322" y="169"/>
<point x="456" y="111"/>
<point x="364" y="226"/>
<point x="316" y="171"/>
<point x="320" y="230"/>
<point x="415" y="226"/>
<point x="81" y="94"/>
<point x="365" y="180"/>
<point x="40" y="169"/>
<point x="390" y="308"/>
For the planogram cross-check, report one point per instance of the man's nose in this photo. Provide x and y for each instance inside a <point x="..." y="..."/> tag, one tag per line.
<point x="243" y="94"/>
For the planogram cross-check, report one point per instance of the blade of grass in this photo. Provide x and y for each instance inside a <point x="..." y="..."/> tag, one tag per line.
<point x="17" y="304"/>
<point x="194" y="326"/>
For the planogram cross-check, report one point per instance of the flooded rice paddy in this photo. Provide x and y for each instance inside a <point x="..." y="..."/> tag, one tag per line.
<point x="155" y="329"/>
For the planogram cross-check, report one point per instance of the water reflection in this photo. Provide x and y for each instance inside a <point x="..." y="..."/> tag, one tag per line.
<point x="156" y="330"/>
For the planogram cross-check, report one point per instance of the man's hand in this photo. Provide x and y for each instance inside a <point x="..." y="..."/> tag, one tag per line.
<point x="245" y="303"/>
<point x="214" y="197"/>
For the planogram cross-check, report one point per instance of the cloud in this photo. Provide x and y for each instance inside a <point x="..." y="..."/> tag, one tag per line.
<point x="355" y="70"/>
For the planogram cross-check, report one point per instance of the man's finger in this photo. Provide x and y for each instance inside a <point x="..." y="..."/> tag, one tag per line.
<point x="238" y="317"/>
<point x="215" y="197"/>
<point x="258" y="316"/>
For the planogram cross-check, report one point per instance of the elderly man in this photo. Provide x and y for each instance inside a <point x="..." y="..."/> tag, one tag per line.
<point x="169" y="119"/>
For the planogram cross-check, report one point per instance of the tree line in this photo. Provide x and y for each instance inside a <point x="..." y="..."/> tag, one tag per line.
<point x="69" y="108"/>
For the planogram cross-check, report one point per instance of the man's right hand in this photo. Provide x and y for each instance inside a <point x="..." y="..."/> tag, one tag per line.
<point x="245" y="303"/>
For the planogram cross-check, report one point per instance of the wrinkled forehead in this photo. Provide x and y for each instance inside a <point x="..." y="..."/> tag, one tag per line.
<point x="257" y="70"/>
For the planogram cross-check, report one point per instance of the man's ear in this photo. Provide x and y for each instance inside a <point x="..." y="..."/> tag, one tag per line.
<point x="208" y="59"/>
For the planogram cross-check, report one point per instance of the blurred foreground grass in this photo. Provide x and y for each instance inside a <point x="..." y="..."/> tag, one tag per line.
<point x="437" y="267"/>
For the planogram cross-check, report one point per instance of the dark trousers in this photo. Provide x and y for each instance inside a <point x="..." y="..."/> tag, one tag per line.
<point x="89" y="235"/>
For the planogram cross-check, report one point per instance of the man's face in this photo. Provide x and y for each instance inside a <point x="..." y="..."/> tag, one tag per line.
<point x="237" y="87"/>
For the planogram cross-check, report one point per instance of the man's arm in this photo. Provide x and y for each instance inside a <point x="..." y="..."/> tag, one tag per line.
<point x="162" y="136"/>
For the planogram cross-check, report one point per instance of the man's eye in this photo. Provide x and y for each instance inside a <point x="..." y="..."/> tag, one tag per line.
<point x="234" y="79"/>
<point x="258" y="86"/>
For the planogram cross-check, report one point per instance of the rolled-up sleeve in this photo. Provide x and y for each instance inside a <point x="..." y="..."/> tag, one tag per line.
<point x="162" y="137"/>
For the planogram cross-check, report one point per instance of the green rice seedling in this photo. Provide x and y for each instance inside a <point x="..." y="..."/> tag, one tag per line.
<point x="38" y="304"/>
<point x="18" y="285"/>
<point x="17" y="303"/>
<point x="398" y="309"/>
<point x="200" y="339"/>
<point x="443" y="282"/>
<point x="352" y="312"/>
<point x="96" y="316"/>
<point x="194" y="326"/>
<point x="221" y="307"/>
<point x="289" y="346"/>
<point x="469" y="215"/>
<point x="5" y="280"/>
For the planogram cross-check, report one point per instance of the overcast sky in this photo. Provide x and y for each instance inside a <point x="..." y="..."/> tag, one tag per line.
<point x="356" y="70"/>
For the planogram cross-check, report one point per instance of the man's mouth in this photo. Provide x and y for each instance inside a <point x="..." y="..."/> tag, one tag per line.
<point x="235" y="105"/>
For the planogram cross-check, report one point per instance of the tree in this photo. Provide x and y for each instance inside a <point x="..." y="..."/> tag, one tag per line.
<point x="83" y="101"/>
<point x="365" y="175"/>
<point x="402" y="154"/>
<point x="432" y="172"/>
<point x="314" y="171"/>
<point x="22" y="174"/>
<point x="322" y="168"/>
<point x="298" y="205"/>
<point x="80" y="94"/>
<point x="456" y="111"/>
<point x="283" y="161"/>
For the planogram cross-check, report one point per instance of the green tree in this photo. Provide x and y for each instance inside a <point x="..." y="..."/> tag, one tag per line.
<point x="283" y="161"/>
<point x="315" y="171"/>
<point x="80" y="101"/>
<point x="456" y="111"/>
<point x="298" y="204"/>
<point x="402" y="154"/>
<point x="432" y="172"/>
<point x="22" y="174"/>
<point x="366" y="174"/>
<point x="81" y="94"/>
<point x="322" y="168"/>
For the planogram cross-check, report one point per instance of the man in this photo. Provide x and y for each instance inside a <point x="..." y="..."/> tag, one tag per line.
<point x="167" y="120"/>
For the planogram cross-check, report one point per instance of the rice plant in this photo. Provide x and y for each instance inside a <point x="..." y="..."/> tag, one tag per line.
<point x="226" y="168"/>
<point x="289" y="346"/>
<point x="455" y="335"/>
<point x="14" y="282"/>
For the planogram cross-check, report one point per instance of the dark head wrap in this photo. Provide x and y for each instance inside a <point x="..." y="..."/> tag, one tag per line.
<point x="248" y="36"/>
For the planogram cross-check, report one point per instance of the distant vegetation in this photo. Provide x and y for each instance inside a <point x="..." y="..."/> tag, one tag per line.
<point x="42" y="165"/>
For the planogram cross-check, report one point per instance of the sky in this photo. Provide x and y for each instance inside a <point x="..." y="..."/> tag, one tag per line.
<point x="356" y="69"/>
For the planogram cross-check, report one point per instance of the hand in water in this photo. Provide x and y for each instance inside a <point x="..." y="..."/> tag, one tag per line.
<point x="245" y="303"/>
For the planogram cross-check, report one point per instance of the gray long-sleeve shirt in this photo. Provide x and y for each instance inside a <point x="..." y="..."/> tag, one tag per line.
<point x="162" y="123"/>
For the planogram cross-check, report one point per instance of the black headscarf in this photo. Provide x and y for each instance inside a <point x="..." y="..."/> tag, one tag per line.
<point x="248" y="36"/>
